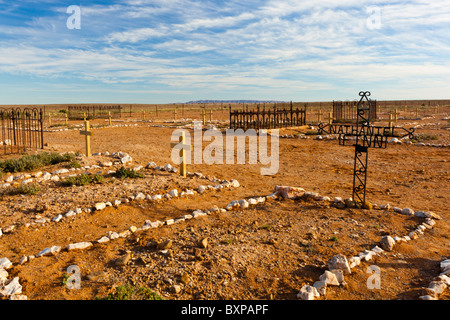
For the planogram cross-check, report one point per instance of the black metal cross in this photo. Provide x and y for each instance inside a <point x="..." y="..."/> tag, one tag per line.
<point x="365" y="136"/>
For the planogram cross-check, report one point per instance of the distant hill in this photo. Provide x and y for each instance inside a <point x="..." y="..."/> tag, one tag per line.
<point x="234" y="101"/>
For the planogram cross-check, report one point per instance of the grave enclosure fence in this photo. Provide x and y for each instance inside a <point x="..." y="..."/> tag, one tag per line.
<point x="21" y="129"/>
<point x="346" y="111"/>
<point x="267" y="117"/>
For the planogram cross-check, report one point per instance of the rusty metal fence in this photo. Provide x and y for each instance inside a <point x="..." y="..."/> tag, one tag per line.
<point x="21" y="129"/>
<point x="270" y="118"/>
<point x="344" y="111"/>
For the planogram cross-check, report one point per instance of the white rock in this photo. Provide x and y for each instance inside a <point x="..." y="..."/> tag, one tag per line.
<point x="54" y="178"/>
<point x="126" y="159"/>
<point x="27" y="181"/>
<point x="339" y="275"/>
<point x="427" y="297"/>
<point x="243" y="204"/>
<point x="117" y="202"/>
<point x="168" y="167"/>
<point x="198" y="213"/>
<point x="100" y="206"/>
<point x="321" y="287"/>
<point x="408" y="212"/>
<point x="23" y="260"/>
<point x="157" y="197"/>
<point x="60" y="171"/>
<point x="18" y="297"/>
<point x="53" y="250"/>
<point x="252" y="201"/>
<point x="107" y="164"/>
<point x="437" y="286"/>
<point x="5" y="263"/>
<point x="308" y="292"/>
<point x="232" y="205"/>
<point x="354" y="261"/>
<point x="377" y="249"/>
<point x="139" y="196"/>
<point x="235" y="183"/>
<point x="3" y="275"/>
<point x="103" y="239"/>
<point x="339" y="262"/>
<point x="9" y="179"/>
<point x="445" y="265"/>
<point x="46" y="176"/>
<point x="70" y="213"/>
<point x="112" y="235"/>
<point x="444" y="279"/>
<point x="79" y="246"/>
<point x="329" y="278"/>
<point x="57" y="218"/>
<point x="201" y="189"/>
<point x="397" y="209"/>
<point x="432" y="215"/>
<point x="169" y="222"/>
<point x="173" y="193"/>
<point x="12" y="288"/>
<point x="387" y="243"/>
<point x="366" y="255"/>
<point x="150" y="165"/>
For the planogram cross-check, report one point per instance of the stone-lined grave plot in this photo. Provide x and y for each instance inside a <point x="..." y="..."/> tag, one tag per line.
<point x="54" y="201"/>
<point x="248" y="250"/>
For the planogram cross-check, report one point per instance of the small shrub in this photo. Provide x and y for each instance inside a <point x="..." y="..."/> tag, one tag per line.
<point x="127" y="292"/>
<point x="425" y="137"/>
<point x="82" y="180"/>
<point x="124" y="173"/>
<point x="34" y="161"/>
<point x="75" y="164"/>
<point x="27" y="189"/>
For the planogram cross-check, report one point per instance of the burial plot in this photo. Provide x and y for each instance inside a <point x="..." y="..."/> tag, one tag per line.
<point x="365" y="136"/>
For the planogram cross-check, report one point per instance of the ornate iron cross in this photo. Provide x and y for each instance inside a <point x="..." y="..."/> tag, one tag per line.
<point x="365" y="137"/>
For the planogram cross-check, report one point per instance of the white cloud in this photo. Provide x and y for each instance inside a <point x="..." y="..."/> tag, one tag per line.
<point x="266" y="46"/>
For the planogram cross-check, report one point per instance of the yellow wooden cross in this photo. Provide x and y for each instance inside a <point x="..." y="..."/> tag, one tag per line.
<point x="330" y="117"/>
<point x="204" y="116"/>
<point x="210" y="115"/>
<point x="183" y="149"/>
<point x="49" y="119"/>
<point x="175" y="114"/>
<point x="87" y="133"/>
<point x="66" y="119"/>
<point x="390" y="120"/>
<point x="109" y="118"/>
<point x="396" y="113"/>
<point x="319" y="115"/>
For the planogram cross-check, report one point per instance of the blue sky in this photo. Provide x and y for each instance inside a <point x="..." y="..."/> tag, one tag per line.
<point x="164" y="51"/>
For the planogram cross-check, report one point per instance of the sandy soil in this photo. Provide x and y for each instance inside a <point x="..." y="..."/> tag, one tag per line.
<point x="268" y="251"/>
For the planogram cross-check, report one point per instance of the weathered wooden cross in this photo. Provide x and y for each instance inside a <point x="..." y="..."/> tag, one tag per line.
<point x="87" y="133"/>
<point x="365" y="136"/>
<point x="183" y="150"/>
